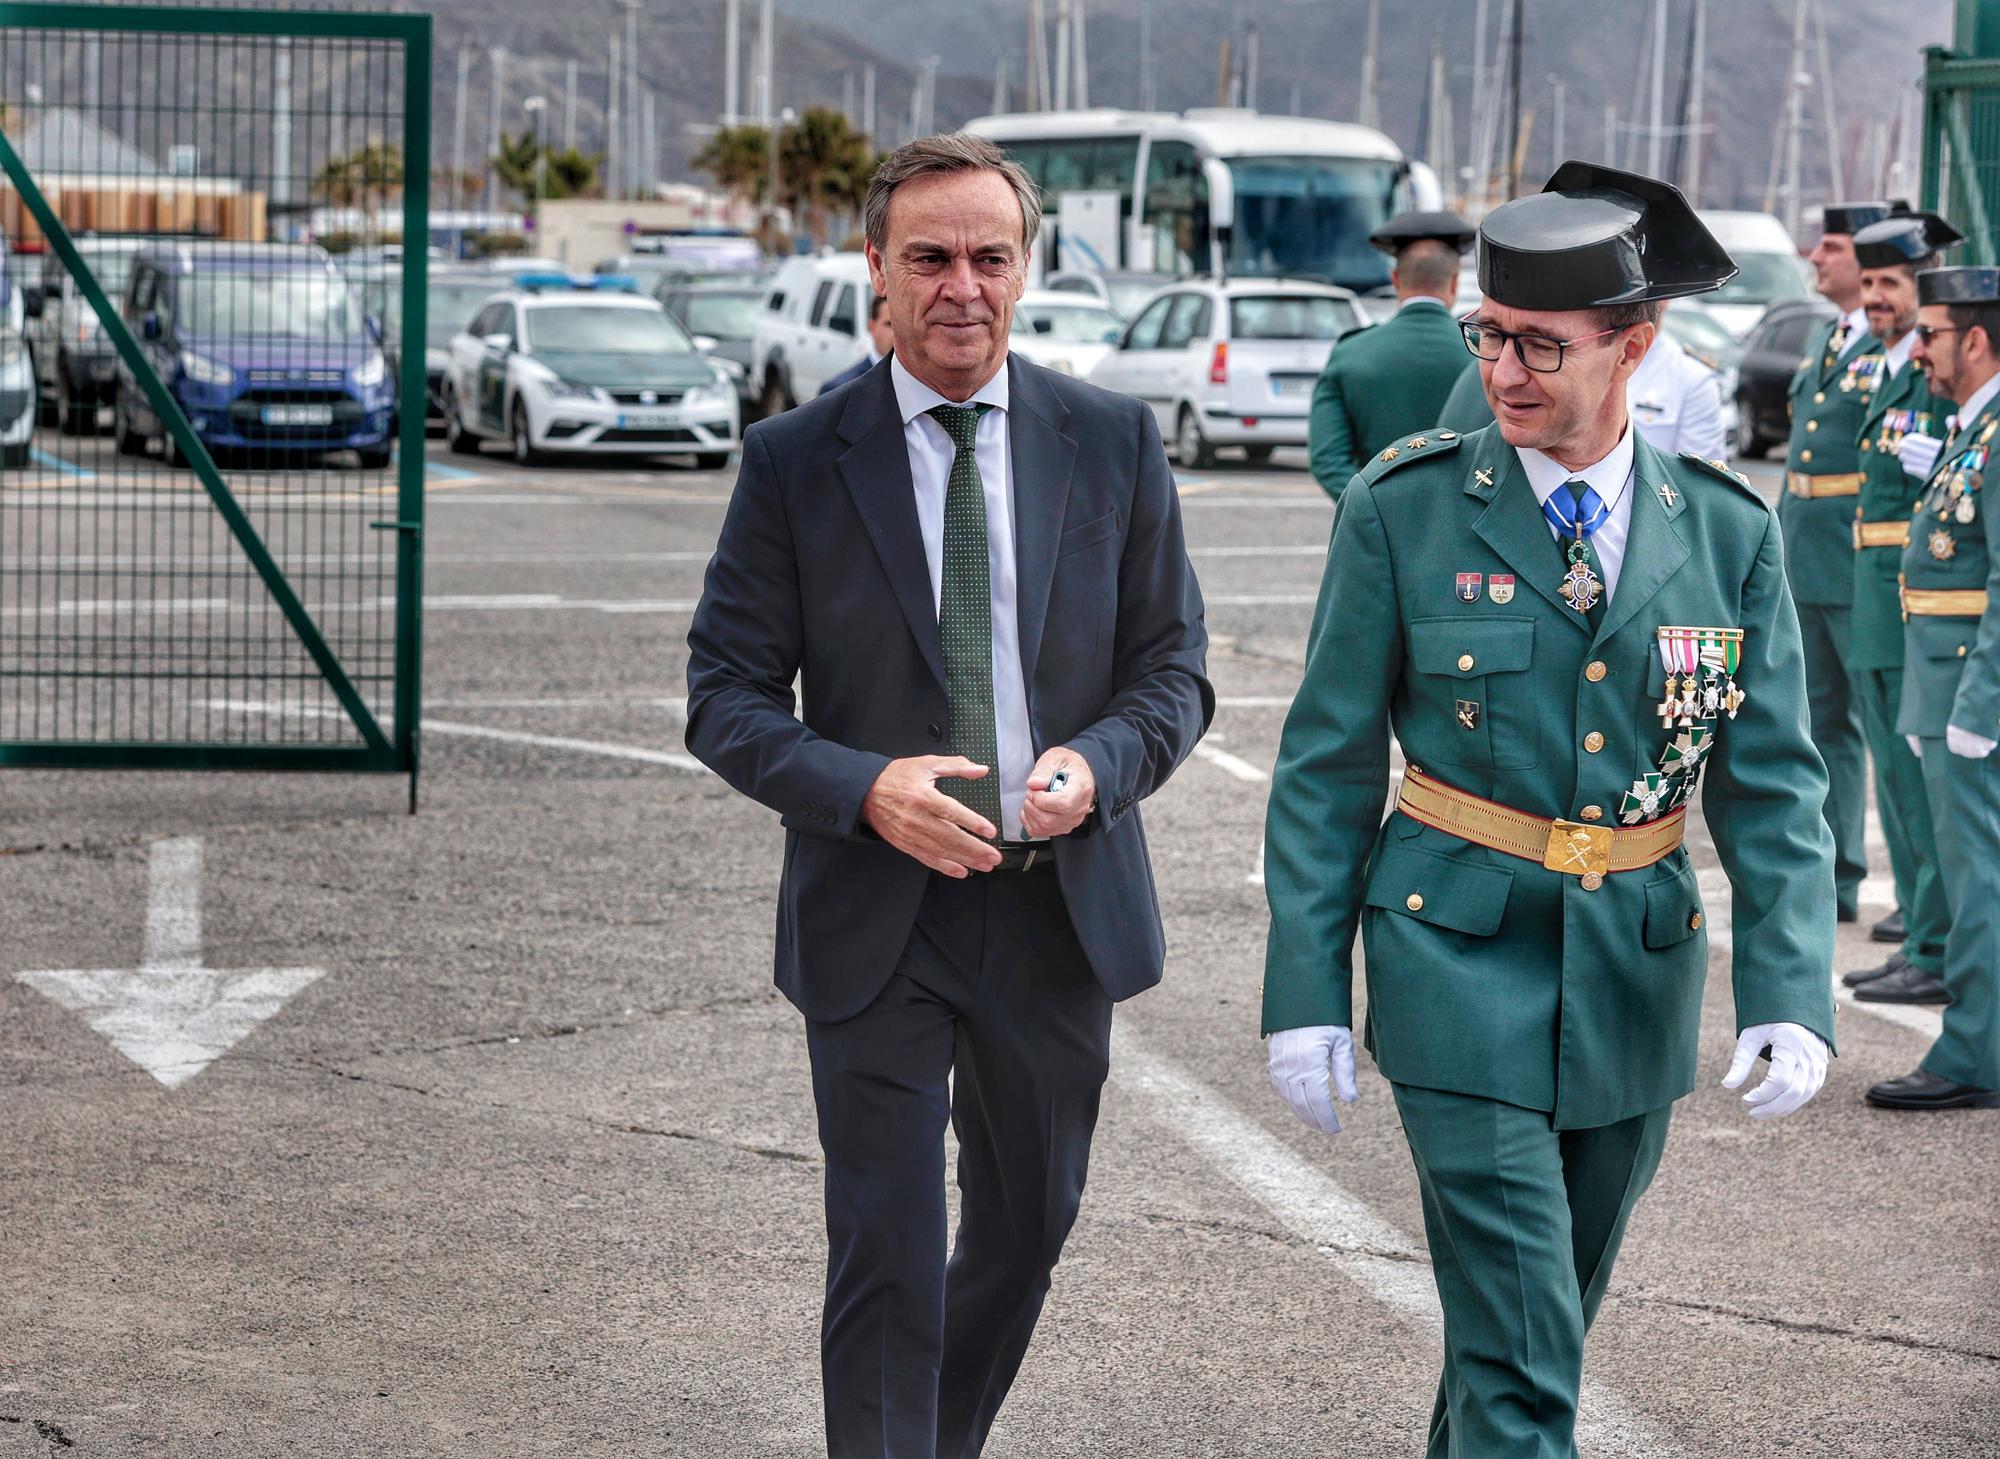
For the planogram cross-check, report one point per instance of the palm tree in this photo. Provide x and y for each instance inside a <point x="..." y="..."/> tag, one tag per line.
<point x="375" y="168"/>
<point x="821" y="157"/>
<point x="738" y="159"/>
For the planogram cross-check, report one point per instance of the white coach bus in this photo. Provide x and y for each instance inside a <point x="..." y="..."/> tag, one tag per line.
<point x="1225" y="190"/>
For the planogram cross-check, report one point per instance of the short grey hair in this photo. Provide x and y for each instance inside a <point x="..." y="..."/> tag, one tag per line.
<point x="945" y="153"/>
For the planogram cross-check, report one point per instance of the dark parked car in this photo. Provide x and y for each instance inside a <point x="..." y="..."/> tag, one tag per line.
<point x="452" y="297"/>
<point x="722" y="318"/>
<point x="1771" y="357"/>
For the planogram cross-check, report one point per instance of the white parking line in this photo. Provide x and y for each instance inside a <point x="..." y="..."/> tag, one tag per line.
<point x="1367" y="1250"/>
<point x="1229" y="764"/>
<point x="1260" y="600"/>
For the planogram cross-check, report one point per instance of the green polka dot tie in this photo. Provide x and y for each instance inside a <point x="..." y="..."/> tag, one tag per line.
<point x="965" y="615"/>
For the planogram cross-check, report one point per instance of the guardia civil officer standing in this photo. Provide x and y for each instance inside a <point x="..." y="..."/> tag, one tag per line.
<point x="1829" y="395"/>
<point x="1901" y="408"/>
<point x="1389" y="379"/>
<point x="1563" y="626"/>
<point x="974" y="569"/>
<point x="1951" y="680"/>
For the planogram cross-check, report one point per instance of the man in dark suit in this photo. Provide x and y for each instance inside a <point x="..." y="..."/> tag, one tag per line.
<point x="976" y="568"/>
<point x="881" y="340"/>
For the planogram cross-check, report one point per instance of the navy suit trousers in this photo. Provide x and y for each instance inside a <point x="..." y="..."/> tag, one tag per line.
<point x="993" y="1020"/>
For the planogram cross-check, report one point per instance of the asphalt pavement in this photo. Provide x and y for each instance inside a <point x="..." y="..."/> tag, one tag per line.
<point x="492" y="1139"/>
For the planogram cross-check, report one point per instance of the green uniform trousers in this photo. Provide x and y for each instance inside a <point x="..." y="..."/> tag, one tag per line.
<point x="1904" y="805"/>
<point x="1965" y="808"/>
<point x="1523" y="1223"/>
<point x="1836" y="730"/>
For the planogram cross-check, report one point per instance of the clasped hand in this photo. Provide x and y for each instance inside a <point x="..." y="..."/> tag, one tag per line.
<point x="905" y="808"/>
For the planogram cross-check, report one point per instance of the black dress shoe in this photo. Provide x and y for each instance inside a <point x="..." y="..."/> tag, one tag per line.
<point x="1855" y="979"/>
<point x="1908" y="984"/>
<point x="1923" y="1090"/>
<point x="1889" y="929"/>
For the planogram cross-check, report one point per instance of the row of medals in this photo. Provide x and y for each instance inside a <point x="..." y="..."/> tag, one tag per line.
<point x="1955" y="496"/>
<point x="1701" y="687"/>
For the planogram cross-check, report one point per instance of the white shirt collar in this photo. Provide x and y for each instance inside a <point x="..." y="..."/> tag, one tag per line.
<point x="1969" y="412"/>
<point x="874" y="357"/>
<point x="1421" y="299"/>
<point x="1897" y="355"/>
<point x="913" y="397"/>
<point x="1857" y="325"/>
<point x="1607" y="477"/>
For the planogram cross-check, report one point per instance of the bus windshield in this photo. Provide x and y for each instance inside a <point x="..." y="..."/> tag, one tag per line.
<point x="1311" y="216"/>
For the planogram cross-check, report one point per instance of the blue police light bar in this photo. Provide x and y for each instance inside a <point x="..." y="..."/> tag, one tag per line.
<point x="536" y="282"/>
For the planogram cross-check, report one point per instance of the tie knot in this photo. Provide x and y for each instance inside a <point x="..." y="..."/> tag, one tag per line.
<point x="1575" y="509"/>
<point x="960" y="422"/>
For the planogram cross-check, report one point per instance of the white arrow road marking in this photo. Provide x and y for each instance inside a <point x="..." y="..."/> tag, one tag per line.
<point x="1368" y="1251"/>
<point x="172" y="1016"/>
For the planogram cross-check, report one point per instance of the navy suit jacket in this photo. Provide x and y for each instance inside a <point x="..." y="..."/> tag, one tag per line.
<point x="820" y="575"/>
<point x="853" y="372"/>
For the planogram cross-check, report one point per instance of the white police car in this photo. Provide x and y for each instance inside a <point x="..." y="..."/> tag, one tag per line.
<point x="561" y="364"/>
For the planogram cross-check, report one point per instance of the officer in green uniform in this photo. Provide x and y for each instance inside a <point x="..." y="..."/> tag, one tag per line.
<point x="1829" y="395"/>
<point x="1465" y="409"/>
<point x="1889" y="254"/>
<point x="1563" y="627"/>
<point x="1951" y="681"/>
<point x="1390" y="379"/>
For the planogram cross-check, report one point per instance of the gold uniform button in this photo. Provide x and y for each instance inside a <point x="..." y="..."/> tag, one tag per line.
<point x="1414" y="901"/>
<point x="1593" y="742"/>
<point x="1806" y="455"/>
<point x="1961" y="650"/>
<point x="1465" y="663"/>
<point x="1592" y="880"/>
<point x="1591" y="813"/>
<point x="1694" y="923"/>
<point x="1595" y="671"/>
<point x="1811" y="426"/>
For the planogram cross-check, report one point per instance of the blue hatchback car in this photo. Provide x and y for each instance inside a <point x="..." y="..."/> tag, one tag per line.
<point x="265" y="348"/>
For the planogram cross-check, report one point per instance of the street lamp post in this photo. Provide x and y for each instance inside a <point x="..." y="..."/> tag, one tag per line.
<point x="534" y="106"/>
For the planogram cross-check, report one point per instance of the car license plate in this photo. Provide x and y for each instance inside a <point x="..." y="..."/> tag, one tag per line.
<point x="648" y="420"/>
<point x="1290" y="387"/>
<point x="298" y="415"/>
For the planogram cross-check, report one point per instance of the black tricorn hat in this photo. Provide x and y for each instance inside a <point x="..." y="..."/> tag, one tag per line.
<point x="1853" y="217"/>
<point x="1406" y="228"/>
<point x="1906" y="240"/>
<point x="1596" y="236"/>
<point x="1968" y="284"/>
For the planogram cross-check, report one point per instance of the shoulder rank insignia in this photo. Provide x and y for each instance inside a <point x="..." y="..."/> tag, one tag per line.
<point x="1416" y="443"/>
<point x="1390" y="453"/>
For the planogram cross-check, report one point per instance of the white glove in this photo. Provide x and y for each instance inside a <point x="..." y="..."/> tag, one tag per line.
<point x="1916" y="745"/>
<point x="1798" y="1068"/>
<point x="1919" y="453"/>
<point x="1302" y="1061"/>
<point x="1968" y="744"/>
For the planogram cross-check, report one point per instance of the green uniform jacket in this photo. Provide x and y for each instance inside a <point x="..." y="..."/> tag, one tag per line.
<point x="1465" y="409"/>
<point x="1830" y="394"/>
<point x="1379" y="385"/>
<point x="1488" y="974"/>
<point x="1951" y="673"/>
<point x="1905" y="403"/>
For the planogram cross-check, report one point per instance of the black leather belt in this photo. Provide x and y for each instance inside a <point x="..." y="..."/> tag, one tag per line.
<point x="1025" y="855"/>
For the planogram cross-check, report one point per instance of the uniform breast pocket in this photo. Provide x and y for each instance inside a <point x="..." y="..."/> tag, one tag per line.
<point x="1472" y="674"/>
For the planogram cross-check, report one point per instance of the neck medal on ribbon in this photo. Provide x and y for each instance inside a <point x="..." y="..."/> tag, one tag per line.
<point x="1701" y="666"/>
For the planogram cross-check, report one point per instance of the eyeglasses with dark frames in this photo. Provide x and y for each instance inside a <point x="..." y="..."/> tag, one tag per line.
<point x="1928" y="332"/>
<point x="1537" y="352"/>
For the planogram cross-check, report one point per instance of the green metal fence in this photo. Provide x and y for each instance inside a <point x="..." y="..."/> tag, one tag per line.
<point x="1961" y="176"/>
<point x="211" y="494"/>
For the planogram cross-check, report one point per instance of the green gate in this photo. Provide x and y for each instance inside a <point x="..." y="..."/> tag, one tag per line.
<point x="1961" y="176"/>
<point x="211" y="520"/>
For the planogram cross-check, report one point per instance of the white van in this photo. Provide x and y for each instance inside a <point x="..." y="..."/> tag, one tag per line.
<point x="1771" y="269"/>
<point x="813" y="326"/>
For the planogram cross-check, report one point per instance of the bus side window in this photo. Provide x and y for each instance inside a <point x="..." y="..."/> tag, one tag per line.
<point x="1177" y="209"/>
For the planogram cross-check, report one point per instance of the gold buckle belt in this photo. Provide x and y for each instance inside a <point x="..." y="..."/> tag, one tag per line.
<point x="1846" y="483"/>
<point x="1881" y="534"/>
<point x="1942" y="602"/>
<point x="1565" y="846"/>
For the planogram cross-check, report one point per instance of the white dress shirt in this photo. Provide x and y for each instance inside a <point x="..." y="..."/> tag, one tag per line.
<point x="1856" y="325"/>
<point x="931" y="453"/>
<point x="1897" y="355"/>
<point x="1676" y="401"/>
<point x="1969" y="411"/>
<point x="1611" y="479"/>
<point x="1421" y="299"/>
